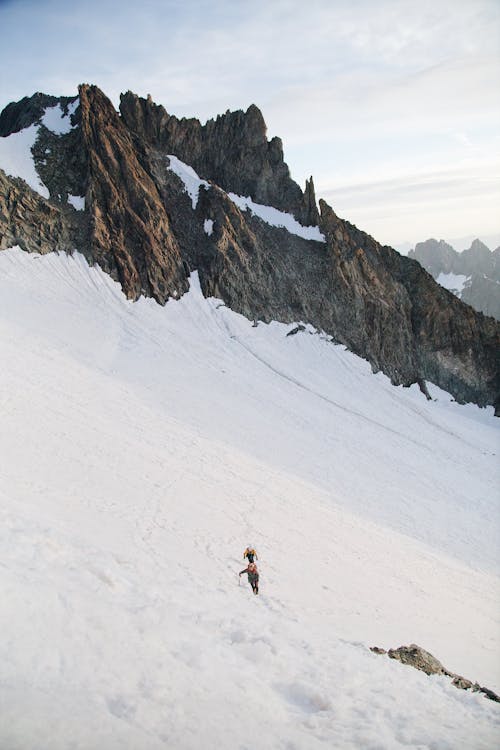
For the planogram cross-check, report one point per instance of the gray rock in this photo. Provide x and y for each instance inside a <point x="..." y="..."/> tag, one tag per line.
<point x="419" y="658"/>
<point x="296" y="330"/>
<point x="232" y="151"/>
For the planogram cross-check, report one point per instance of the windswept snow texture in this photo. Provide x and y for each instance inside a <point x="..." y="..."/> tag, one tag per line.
<point x="277" y="218"/>
<point x="453" y="282"/>
<point x="142" y="447"/>
<point x="16" y="158"/>
<point x="192" y="182"/>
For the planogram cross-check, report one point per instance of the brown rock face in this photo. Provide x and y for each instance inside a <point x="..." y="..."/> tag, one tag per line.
<point x="141" y="227"/>
<point x="35" y="224"/>
<point x="411" y="328"/>
<point x="130" y="234"/>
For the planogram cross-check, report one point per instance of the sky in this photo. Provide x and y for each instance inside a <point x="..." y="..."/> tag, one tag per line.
<point x="392" y="106"/>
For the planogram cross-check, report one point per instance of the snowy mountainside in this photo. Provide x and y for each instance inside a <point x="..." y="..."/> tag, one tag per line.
<point x="142" y="448"/>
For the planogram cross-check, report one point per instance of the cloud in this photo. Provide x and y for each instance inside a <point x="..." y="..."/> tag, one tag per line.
<point x="359" y="91"/>
<point x="442" y="203"/>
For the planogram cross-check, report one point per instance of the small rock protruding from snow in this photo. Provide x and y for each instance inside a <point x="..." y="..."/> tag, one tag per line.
<point x="297" y="329"/>
<point x="417" y="657"/>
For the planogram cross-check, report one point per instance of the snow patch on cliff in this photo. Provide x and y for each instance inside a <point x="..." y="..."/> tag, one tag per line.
<point x="57" y="121"/>
<point x="192" y="183"/>
<point x="276" y="218"/>
<point x="16" y="158"/>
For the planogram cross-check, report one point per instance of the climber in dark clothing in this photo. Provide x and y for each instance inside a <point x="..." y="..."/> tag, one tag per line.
<point x="253" y="577"/>
<point x="250" y="553"/>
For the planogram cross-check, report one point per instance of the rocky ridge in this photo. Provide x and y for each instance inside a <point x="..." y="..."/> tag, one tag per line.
<point x="143" y="227"/>
<point x="478" y="264"/>
<point x="417" y="657"/>
<point x="232" y="151"/>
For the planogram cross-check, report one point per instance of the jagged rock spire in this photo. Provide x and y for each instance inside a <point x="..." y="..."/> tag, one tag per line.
<point x="310" y="216"/>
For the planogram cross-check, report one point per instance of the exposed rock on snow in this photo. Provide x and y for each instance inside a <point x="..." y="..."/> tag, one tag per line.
<point x="296" y="329"/>
<point x="417" y="657"/>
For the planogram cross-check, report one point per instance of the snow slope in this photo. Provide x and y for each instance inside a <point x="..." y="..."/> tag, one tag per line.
<point x="142" y="448"/>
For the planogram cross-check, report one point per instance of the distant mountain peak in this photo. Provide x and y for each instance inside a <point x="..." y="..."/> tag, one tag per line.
<point x="477" y="264"/>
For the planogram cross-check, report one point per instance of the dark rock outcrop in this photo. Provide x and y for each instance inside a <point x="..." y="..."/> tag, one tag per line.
<point x="38" y="225"/>
<point x="419" y="658"/>
<point x="142" y="227"/>
<point x="231" y="151"/>
<point x="19" y="115"/>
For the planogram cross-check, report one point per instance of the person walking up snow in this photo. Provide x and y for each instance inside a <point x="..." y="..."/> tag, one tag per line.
<point x="250" y="553"/>
<point x="253" y="576"/>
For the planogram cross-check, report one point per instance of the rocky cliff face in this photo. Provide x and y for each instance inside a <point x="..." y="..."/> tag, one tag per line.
<point x="232" y="151"/>
<point x="478" y="265"/>
<point x="149" y="224"/>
